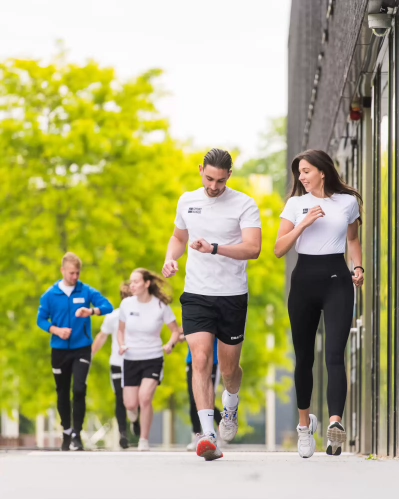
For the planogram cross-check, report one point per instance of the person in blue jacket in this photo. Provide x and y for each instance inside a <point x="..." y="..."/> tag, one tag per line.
<point x="64" y="312"/>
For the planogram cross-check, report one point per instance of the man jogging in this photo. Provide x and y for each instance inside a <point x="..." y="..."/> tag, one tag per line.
<point x="223" y="229"/>
<point x="65" y="313"/>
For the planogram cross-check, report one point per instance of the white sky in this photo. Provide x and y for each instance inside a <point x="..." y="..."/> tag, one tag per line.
<point x="224" y="60"/>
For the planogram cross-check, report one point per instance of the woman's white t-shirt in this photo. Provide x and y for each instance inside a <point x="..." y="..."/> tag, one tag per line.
<point x="327" y="235"/>
<point x="143" y="326"/>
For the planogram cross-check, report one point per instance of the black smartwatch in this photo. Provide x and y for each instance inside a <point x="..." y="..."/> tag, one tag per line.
<point x="215" y="248"/>
<point x="93" y="311"/>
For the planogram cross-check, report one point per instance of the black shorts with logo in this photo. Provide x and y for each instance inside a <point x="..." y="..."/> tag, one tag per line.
<point x="223" y="316"/>
<point x="135" y="370"/>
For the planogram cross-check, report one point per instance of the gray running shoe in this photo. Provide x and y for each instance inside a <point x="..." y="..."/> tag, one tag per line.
<point x="336" y="435"/>
<point x="228" y="426"/>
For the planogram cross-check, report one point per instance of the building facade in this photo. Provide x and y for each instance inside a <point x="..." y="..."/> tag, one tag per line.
<point x="343" y="98"/>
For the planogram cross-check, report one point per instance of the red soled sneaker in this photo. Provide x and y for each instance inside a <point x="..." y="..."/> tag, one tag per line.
<point x="207" y="447"/>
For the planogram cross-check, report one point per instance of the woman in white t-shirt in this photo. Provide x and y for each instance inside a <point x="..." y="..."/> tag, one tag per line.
<point x="141" y="319"/>
<point x="321" y="218"/>
<point x="110" y="327"/>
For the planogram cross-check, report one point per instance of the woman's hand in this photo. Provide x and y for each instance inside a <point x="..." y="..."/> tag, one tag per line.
<point x="122" y="349"/>
<point x="168" y="348"/>
<point x="313" y="215"/>
<point x="358" y="278"/>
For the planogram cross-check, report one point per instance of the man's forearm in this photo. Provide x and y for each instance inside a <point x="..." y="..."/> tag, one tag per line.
<point x="242" y="251"/>
<point x="53" y="330"/>
<point x="176" y="249"/>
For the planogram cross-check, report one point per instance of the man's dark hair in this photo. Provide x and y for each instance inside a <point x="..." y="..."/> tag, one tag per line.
<point x="218" y="159"/>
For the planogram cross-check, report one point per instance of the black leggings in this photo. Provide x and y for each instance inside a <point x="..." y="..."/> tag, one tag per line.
<point x="120" y="410"/>
<point x="195" y="421"/>
<point x="321" y="282"/>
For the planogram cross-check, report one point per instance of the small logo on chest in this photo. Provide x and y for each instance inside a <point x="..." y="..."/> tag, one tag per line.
<point x="195" y="210"/>
<point x="136" y="314"/>
<point x="305" y="210"/>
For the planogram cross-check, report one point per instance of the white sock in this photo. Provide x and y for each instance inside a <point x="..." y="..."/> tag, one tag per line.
<point x="68" y="431"/>
<point x="133" y="415"/>
<point x="230" y="400"/>
<point x="206" y="419"/>
<point x="303" y="427"/>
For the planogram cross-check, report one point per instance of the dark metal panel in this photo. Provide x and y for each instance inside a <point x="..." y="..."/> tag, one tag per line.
<point x="376" y="260"/>
<point x="390" y="249"/>
<point x="395" y="297"/>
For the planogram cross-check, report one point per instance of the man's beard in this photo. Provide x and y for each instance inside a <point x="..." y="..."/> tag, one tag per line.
<point x="215" y="194"/>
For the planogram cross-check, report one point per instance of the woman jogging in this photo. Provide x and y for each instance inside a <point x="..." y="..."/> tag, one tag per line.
<point x="109" y="328"/>
<point x="141" y="318"/>
<point x="320" y="217"/>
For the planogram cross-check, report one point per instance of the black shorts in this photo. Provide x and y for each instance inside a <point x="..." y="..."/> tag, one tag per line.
<point x="223" y="316"/>
<point x="135" y="370"/>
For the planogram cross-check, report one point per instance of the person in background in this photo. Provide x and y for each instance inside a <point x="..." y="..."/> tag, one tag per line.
<point x="65" y="312"/>
<point x="141" y="319"/>
<point x="109" y="328"/>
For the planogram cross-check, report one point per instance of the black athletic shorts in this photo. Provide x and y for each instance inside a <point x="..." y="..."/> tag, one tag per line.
<point x="223" y="316"/>
<point x="135" y="370"/>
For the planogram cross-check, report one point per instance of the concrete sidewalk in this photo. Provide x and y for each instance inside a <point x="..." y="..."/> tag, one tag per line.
<point x="178" y="475"/>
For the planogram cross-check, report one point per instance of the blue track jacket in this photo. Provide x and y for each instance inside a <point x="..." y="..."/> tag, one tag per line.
<point x="58" y="309"/>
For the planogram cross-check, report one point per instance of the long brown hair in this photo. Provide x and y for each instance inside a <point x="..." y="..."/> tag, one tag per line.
<point x="156" y="285"/>
<point x="333" y="184"/>
<point x="124" y="290"/>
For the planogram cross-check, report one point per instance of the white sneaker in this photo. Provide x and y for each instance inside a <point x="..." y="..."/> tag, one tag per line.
<point x="306" y="441"/>
<point x="193" y="444"/>
<point x="143" y="445"/>
<point x="336" y="435"/>
<point x="228" y="426"/>
<point x="207" y="447"/>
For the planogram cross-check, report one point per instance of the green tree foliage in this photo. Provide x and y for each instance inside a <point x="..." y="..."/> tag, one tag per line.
<point x="273" y="156"/>
<point x="88" y="165"/>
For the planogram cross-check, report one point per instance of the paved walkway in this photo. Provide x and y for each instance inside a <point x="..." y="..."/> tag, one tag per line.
<point x="178" y="475"/>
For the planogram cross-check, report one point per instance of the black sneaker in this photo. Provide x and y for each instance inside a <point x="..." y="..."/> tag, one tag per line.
<point x="136" y="428"/>
<point x="76" y="443"/>
<point x="336" y="435"/>
<point x="123" y="441"/>
<point x="66" y="441"/>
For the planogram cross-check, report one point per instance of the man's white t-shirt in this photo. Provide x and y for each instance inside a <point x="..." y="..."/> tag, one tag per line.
<point x="66" y="289"/>
<point x="327" y="235"/>
<point x="217" y="220"/>
<point x="143" y="326"/>
<point x="110" y="326"/>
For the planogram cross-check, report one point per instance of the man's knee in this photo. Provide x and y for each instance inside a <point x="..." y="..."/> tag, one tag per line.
<point x="230" y="371"/>
<point x="79" y="390"/>
<point x="202" y="363"/>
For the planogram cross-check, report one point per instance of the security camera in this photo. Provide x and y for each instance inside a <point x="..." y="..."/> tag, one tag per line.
<point x="380" y="23"/>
